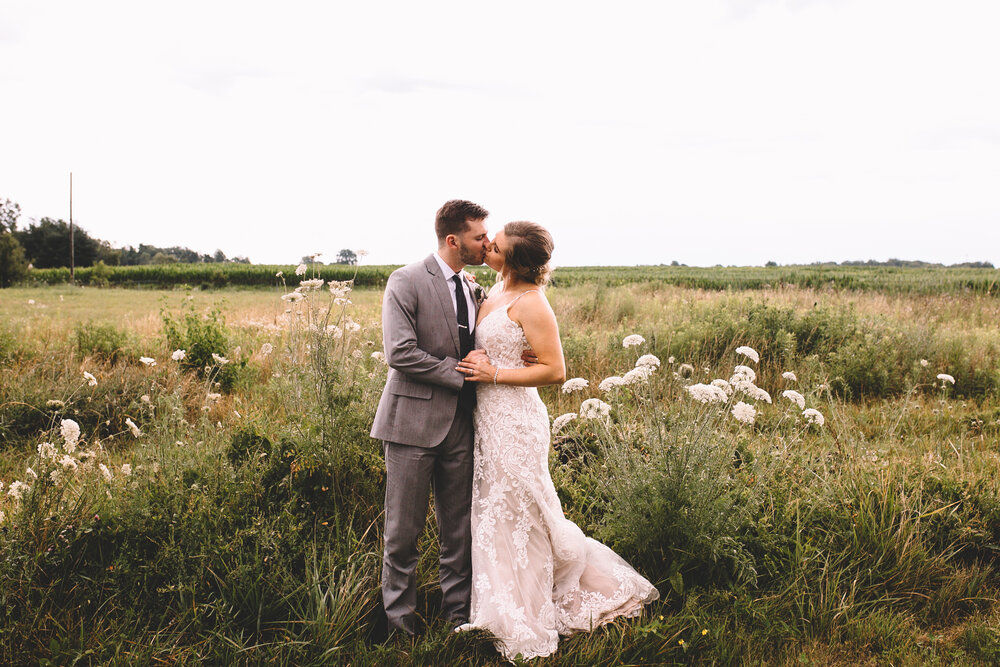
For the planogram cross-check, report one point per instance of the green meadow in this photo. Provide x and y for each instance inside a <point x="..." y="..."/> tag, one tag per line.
<point x="223" y="506"/>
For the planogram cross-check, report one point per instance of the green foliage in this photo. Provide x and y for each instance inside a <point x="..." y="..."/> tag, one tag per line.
<point x="105" y="342"/>
<point x="201" y="337"/>
<point x="13" y="265"/>
<point x="47" y="244"/>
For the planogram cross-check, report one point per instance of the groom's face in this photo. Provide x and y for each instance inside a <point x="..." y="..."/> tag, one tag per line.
<point x="472" y="243"/>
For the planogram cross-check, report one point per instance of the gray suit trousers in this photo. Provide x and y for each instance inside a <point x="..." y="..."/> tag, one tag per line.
<point x="411" y="472"/>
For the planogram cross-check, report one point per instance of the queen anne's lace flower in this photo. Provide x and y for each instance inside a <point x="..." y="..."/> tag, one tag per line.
<point x="17" y="489"/>
<point x="219" y="359"/>
<point x="790" y="376"/>
<point x="178" y="355"/>
<point x="685" y="370"/>
<point x="574" y="384"/>
<point x="266" y="349"/>
<point x="925" y="363"/>
<point x="795" y="397"/>
<point x="707" y="393"/>
<point x="749" y="353"/>
<point x="813" y="416"/>
<point x="944" y="377"/>
<point x="744" y="412"/>
<point x="126" y="469"/>
<point x="593" y="408"/>
<point x="638" y="374"/>
<point x="745" y="372"/>
<point x="559" y="422"/>
<point x="301" y="269"/>
<point x="650" y="360"/>
<point x="91" y="380"/>
<point x="70" y="432"/>
<point x="47" y="450"/>
<point x="149" y="361"/>
<point x="68" y="462"/>
<point x="314" y="283"/>
<point x="132" y="427"/>
<point x="724" y="386"/>
<point x="633" y="339"/>
<point x="609" y="383"/>
<point x="293" y="297"/>
<point x="379" y="357"/>
<point x="105" y="472"/>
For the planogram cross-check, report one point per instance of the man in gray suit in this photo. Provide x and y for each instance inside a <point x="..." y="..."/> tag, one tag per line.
<point x="425" y="415"/>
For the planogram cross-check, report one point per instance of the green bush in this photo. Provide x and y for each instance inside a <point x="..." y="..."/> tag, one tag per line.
<point x="201" y="337"/>
<point x="102" y="341"/>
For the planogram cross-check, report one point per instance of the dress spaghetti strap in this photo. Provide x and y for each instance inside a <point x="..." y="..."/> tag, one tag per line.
<point x="514" y="300"/>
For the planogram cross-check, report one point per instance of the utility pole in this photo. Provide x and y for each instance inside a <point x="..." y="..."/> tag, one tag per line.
<point x="72" y="261"/>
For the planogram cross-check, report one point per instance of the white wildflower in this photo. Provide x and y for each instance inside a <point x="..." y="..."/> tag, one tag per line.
<point x="55" y="476"/>
<point x="279" y="274"/>
<point x="334" y="331"/>
<point x="379" y="357"/>
<point x="219" y="359"/>
<point x="17" y="489"/>
<point x="341" y="301"/>
<point x="633" y="339"/>
<point x="724" y="386"/>
<point x="685" y="371"/>
<point x="340" y="288"/>
<point x="314" y="283"/>
<point x="293" y="297"/>
<point x="357" y="354"/>
<point x="649" y="360"/>
<point x="126" y="469"/>
<point x="754" y="392"/>
<point x="132" y="427"/>
<point x="31" y="472"/>
<point x="707" y="393"/>
<point x="351" y="326"/>
<point x="638" y="374"/>
<point x="67" y="462"/>
<point x="70" y="432"/>
<point x="925" y="363"/>
<point x="2" y="517"/>
<point x="31" y="302"/>
<point x="559" y="422"/>
<point x="301" y="269"/>
<point x="744" y="412"/>
<point x="574" y="384"/>
<point x="744" y="371"/>
<point x="47" y="450"/>
<point x="609" y="383"/>
<point x="91" y="380"/>
<point x="790" y="376"/>
<point x="593" y="408"/>
<point x="361" y="253"/>
<point x="55" y="403"/>
<point x="795" y="397"/>
<point x="178" y="355"/>
<point x="670" y="359"/>
<point x="213" y="397"/>
<point x="105" y="472"/>
<point x="749" y="353"/>
<point x="266" y="349"/>
<point x="813" y="416"/>
<point x="944" y="377"/>
<point x="145" y="399"/>
<point x="149" y="361"/>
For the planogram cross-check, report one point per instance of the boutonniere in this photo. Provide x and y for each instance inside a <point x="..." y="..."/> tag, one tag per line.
<point x="478" y="293"/>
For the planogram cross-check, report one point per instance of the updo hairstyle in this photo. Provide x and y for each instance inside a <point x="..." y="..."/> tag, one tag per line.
<point x="529" y="249"/>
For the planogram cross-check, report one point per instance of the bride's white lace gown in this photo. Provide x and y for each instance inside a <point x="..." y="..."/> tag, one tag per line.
<point x="535" y="574"/>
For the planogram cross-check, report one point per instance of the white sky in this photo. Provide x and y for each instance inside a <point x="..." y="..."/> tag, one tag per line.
<point x="731" y="132"/>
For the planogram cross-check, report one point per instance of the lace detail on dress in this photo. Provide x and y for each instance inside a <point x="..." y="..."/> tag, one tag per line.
<point x="536" y="575"/>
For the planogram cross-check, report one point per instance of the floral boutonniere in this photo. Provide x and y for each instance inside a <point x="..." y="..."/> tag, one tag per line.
<point x="478" y="293"/>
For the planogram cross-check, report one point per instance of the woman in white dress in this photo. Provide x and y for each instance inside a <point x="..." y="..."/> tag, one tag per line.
<point x="535" y="574"/>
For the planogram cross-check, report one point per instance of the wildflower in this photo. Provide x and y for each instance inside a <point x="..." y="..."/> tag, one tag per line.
<point x="91" y="380"/>
<point x="126" y="469"/>
<point x="356" y="354"/>
<point x="105" y="472"/>
<point x="2" y="517"/>
<point x="340" y="288"/>
<point x="67" y="462"/>
<point x="574" y="384"/>
<point x="341" y="301"/>
<point x="813" y="416"/>
<point x="213" y="397"/>
<point x="749" y="353"/>
<point x="685" y="370"/>
<point x="300" y="270"/>
<point x="638" y="374"/>
<point x="592" y="408"/>
<point x="54" y="403"/>
<point x="648" y="360"/>
<point x="744" y="412"/>
<point x="17" y="489"/>
<point x="944" y="377"/>
<point x="559" y="422"/>
<point x="70" y="431"/>
<point x="379" y="357"/>
<point x="335" y="331"/>
<point x="790" y="376"/>
<point x="681" y="642"/>
<point x="795" y="397"/>
<point x="145" y="399"/>
<point x="351" y="326"/>
<point x="724" y="386"/>
<point x="670" y="359"/>
<point x="178" y="355"/>
<point x="314" y="283"/>
<point x="31" y="302"/>
<point x="47" y="450"/>
<point x="266" y="349"/>
<point x="925" y="363"/>
<point x="30" y="471"/>
<point x="609" y="383"/>
<point x="707" y="393"/>
<point x="219" y="359"/>
<point x="633" y="339"/>
<point x="279" y="274"/>
<point x="132" y="427"/>
<point x="55" y="476"/>
<point x="149" y="361"/>
<point x="361" y="253"/>
<point x="704" y="632"/>
<point x="752" y="390"/>
<point x="293" y="297"/>
<point x="744" y="371"/>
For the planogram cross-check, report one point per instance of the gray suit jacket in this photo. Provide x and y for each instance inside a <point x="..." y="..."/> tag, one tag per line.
<point x="420" y="338"/>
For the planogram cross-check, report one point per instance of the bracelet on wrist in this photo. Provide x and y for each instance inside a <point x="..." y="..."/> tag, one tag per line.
<point x="495" y="377"/>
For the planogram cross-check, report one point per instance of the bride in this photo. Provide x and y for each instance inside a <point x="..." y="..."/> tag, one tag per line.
<point x="535" y="574"/>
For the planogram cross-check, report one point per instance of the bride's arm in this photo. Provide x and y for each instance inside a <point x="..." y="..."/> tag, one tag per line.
<point x="536" y="318"/>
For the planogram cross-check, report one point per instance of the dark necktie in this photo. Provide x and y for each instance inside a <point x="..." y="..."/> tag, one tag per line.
<point x="467" y="396"/>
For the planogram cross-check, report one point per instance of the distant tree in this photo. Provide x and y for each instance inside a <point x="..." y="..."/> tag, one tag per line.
<point x="219" y="257"/>
<point x="110" y="256"/>
<point x="771" y="263"/>
<point x="13" y="265"/>
<point x="9" y="213"/>
<point x="675" y="263"/>
<point x="46" y="244"/>
<point x="347" y="256"/>
<point x="240" y="259"/>
<point x="163" y="258"/>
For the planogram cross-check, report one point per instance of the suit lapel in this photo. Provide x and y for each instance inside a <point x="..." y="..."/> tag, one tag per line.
<point x="443" y="291"/>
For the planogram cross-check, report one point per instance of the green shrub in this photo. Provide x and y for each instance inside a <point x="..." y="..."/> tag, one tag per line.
<point x="201" y="337"/>
<point x="102" y="341"/>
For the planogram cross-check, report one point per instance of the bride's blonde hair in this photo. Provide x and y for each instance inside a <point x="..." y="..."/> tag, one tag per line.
<point x="529" y="249"/>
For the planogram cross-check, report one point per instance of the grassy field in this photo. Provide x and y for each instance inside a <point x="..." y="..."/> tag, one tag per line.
<point x="226" y="510"/>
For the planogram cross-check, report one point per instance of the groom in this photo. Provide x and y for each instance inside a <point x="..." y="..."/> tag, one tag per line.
<point x="425" y="415"/>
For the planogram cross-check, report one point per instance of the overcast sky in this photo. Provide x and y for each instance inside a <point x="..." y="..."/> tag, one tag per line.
<point x="706" y="132"/>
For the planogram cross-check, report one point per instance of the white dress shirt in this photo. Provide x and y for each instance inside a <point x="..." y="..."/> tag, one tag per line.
<point x="447" y="272"/>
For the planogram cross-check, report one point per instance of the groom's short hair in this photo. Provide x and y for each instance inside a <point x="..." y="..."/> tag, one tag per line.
<point x="454" y="216"/>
